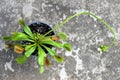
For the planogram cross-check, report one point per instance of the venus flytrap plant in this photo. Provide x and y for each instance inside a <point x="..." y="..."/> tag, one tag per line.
<point x="39" y="42"/>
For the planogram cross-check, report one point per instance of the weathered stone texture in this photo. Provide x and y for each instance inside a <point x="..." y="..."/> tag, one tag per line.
<point x="85" y="34"/>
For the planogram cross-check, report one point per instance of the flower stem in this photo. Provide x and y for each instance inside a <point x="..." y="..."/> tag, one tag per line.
<point x="94" y="16"/>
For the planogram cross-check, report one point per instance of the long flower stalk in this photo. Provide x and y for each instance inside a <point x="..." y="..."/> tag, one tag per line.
<point x="103" y="47"/>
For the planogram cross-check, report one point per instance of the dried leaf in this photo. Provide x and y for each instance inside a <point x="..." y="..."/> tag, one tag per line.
<point x="9" y="45"/>
<point x="18" y="49"/>
<point x="55" y="38"/>
<point x="47" y="62"/>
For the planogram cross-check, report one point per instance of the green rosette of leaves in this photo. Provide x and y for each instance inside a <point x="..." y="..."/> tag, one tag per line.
<point x="37" y="42"/>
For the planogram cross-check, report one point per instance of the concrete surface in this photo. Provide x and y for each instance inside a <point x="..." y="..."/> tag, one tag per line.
<point x="84" y="62"/>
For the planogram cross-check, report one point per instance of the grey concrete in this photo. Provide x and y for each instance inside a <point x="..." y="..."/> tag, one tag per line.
<point x="84" y="62"/>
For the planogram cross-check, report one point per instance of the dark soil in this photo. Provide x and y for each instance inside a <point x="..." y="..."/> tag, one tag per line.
<point x="41" y="28"/>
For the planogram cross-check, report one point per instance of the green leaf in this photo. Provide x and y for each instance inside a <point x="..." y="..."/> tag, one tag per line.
<point x="58" y="58"/>
<point x="21" y="60"/>
<point x="41" y="56"/>
<point x="67" y="46"/>
<point x="6" y="38"/>
<point x="30" y="51"/>
<point x="42" y="69"/>
<point x="17" y="36"/>
<point x="28" y="31"/>
<point x="62" y="35"/>
<point x="51" y="51"/>
<point x="29" y="46"/>
<point x="21" y="22"/>
<point x="51" y="42"/>
<point x="25" y="27"/>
